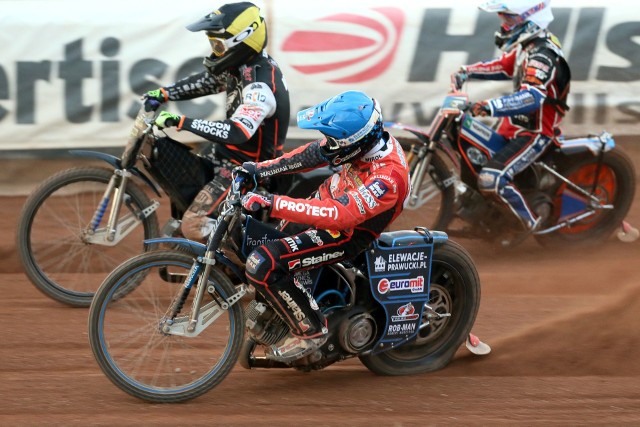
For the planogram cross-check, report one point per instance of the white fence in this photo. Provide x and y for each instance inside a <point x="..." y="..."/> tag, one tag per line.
<point x="71" y="72"/>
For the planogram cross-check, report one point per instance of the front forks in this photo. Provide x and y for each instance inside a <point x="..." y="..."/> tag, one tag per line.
<point x="116" y="229"/>
<point x="201" y="316"/>
<point x="423" y="160"/>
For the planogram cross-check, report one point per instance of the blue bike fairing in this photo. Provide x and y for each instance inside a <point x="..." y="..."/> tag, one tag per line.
<point x="482" y="135"/>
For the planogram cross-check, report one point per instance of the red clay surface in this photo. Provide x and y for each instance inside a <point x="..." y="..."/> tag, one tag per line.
<point x="563" y="325"/>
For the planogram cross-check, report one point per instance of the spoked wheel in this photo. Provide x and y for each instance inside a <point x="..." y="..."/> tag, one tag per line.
<point x="150" y="356"/>
<point x="615" y="186"/>
<point x="433" y="205"/>
<point x="52" y="238"/>
<point x="447" y="318"/>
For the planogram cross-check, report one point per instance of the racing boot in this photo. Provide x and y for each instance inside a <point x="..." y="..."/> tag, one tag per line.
<point x="292" y="348"/>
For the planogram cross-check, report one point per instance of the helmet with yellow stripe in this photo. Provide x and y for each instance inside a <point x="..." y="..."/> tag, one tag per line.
<point x="236" y="32"/>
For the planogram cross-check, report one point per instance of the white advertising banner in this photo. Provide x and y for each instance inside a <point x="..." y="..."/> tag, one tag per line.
<point x="72" y="72"/>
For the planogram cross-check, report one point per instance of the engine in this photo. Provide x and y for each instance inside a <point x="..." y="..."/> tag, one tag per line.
<point x="357" y="332"/>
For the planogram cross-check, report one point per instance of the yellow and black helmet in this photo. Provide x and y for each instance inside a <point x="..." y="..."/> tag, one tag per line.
<point x="236" y="31"/>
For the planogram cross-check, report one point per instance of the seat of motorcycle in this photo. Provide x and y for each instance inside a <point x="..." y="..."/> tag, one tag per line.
<point x="419" y="236"/>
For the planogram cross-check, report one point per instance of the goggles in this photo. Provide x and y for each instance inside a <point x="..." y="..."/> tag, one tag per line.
<point x="510" y="20"/>
<point x="333" y="143"/>
<point x="220" y="46"/>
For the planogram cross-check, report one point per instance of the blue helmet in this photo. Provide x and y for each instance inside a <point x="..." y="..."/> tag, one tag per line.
<point x="351" y="123"/>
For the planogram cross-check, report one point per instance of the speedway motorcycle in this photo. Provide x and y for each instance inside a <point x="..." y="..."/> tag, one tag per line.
<point x="168" y="326"/>
<point x="584" y="186"/>
<point x="80" y="223"/>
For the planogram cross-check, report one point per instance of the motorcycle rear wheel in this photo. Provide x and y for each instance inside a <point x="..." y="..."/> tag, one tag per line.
<point x="126" y="337"/>
<point x="616" y="186"/>
<point x="50" y="228"/>
<point x="454" y="289"/>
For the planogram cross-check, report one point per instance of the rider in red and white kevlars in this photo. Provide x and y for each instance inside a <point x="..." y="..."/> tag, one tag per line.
<point x="343" y="217"/>
<point x="257" y="104"/>
<point x="530" y="117"/>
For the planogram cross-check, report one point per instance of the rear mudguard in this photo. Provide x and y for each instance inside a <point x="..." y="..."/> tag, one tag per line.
<point x="115" y="163"/>
<point x="420" y="235"/>
<point x="593" y="144"/>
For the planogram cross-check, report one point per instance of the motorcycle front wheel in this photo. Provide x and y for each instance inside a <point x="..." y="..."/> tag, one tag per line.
<point x="51" y="234"/>
<point x="455" y="290"/>
<point x="128" y="340"/>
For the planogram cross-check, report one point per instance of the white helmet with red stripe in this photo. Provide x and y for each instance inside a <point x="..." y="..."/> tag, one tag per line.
<point x="521" y="20"/>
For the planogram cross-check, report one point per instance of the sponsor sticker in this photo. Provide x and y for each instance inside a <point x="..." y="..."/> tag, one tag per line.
<point x="253" y="262"/>
<point x="307" y="209"/>
<point x="378" y="188"/>
<point x="415" y="285"/>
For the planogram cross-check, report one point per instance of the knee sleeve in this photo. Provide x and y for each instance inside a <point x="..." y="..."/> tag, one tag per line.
<point x="491" y="180"/>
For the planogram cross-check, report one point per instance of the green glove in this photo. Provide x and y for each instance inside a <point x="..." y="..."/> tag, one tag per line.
<point x="153" y="99"/>
<point x="167" y="120"/>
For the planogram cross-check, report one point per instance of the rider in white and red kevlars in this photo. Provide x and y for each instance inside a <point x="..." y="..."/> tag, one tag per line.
<point x="349" y="210"/>
<point x="533" y="59"/>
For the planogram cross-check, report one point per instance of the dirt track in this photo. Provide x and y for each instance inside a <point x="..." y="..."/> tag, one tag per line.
<point x="563" y="326"/>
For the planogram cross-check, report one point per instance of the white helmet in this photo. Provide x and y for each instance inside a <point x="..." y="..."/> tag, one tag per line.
<point x="521" y="20"/>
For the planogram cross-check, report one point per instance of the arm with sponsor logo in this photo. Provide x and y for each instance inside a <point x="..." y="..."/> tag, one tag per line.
<point x="501" y="68"/>
<point x="258" y="103"/>
<point x="195" y="86"/>
<point x="377" y="195"/>
<point x="533" y="90"/>
<point x="303" y="158"/>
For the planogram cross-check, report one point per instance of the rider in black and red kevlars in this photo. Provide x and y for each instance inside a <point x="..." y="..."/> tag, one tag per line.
<point x="257" y="104"/>
<point x="530" y="117"/>
<point x="349" y="210"/>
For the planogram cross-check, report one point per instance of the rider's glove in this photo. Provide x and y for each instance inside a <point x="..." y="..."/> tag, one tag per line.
<point x="247" y="171"/>
<point x="253" y="201"/>
<point x="480" y="109"/>
<point x="458" y="78"/>
<point x="167" y="120"/>
<point x="154" y="98"/>
<point x="250" y="168"/>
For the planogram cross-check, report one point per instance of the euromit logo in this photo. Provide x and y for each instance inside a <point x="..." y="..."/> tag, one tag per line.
<point x="357" y="48"/>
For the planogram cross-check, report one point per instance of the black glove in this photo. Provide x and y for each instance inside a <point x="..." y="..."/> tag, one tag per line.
<point x="153" y="99"/>
<point x="459" y="78"/>
<point x="248" y="171"/>
<point x="480" y="109"/>
<point x="242" y="174"/>
<point x="251" y="168"/>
